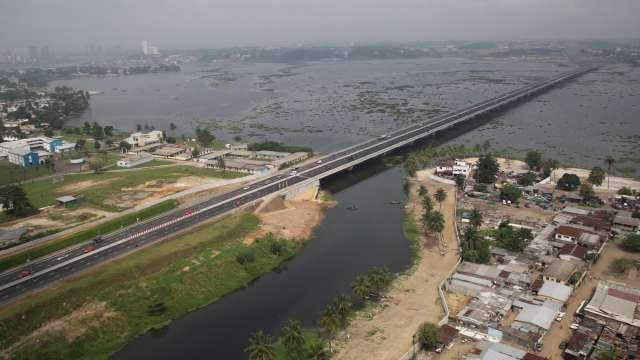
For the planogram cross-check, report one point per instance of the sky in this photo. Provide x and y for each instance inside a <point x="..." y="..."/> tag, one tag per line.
<point x="68" y="25"/>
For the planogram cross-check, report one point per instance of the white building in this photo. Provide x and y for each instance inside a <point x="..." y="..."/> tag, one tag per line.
<point x="454" y="168"/>
<point x="153" y="50"/>
<point x="134" y="160"/>
<point x="145" y="50"/>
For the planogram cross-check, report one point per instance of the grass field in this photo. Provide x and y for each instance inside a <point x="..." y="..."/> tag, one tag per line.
<point x="10" y="172"/>
<point x="109" y="185"/>
<point x="85" y="235"/>
<point x="147" y="164"/>
<point x="148" y="289"/>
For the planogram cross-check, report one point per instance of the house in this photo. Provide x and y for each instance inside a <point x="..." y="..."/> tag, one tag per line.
<point x="454" y="168"/>
<point x="242" y="154"/>
<point x="485" y="350"/>
<point x="139" y="139"/>
<point x="23" y="157"/>
<point x="237" y="146"/>
<point x="215" y="155"/>
<point x="625" y="222"/>
<point x="69" y="200"/>
<point x="572" y="251"/>
<point x="597" y="223"/>
<point x="240" y="165"/>
<point x="142" y="149"/>
<point x="174" y="151"/>
<point x="614" y="303"/>
<point x="40" y="143"/>
<point x="554" y="291"/>
<point x="537" y="318"/>
<point x="290" y="159"/>
<point x="561" y="271"/>
<point x="449" y="334"/>
<point x="578" y="234"/>
<point x="134" y="160"/>
<point x="271" y="154"/>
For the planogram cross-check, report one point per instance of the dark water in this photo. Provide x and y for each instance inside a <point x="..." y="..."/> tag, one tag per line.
<point x="346" y="244"/>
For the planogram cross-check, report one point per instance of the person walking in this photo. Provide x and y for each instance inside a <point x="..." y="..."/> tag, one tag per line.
<point x="560" y="326"/>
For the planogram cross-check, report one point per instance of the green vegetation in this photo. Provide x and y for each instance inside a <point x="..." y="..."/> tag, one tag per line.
<point x="110" y="185"/>
<point x="632" y="241"/>
<point x="429" y="334"/>
<point x="570" y="181"/>
<point x="276" y="146"/>
<point x="144" y="290"/>
<point x="510" y="193"/>
<point x="283" y="353"/>
<point x="487" y="168"/>
<point x="620" y="266"/>
<point x="12" y="173"/>
<point x="626" y="170"/>
<point x="85" y="235"/>
<point x="480" y="187"/>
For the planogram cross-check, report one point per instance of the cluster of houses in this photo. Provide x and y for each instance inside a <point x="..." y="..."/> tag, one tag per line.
<point x="33" y="151"/>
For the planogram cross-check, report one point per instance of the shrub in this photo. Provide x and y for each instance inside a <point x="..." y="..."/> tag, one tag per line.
<point x="480" y="187"/>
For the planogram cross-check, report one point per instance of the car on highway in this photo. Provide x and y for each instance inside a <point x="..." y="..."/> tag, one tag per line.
<point x="240" y="203"/>
<point x="96" y="240"/>
<point x="89" y="249"/>
<point x="62" y="257"/>
<point x="189" y="212"/>
<point x="24" y="274"/>
<point x="293" y="173"/>
<point x="319" y="161"/>
<point x="350" y="158"/>
<point x="279" y="176"/>
<point x="344" y="153"/>
<point x="313" y="165"/>
<point x="333" y="155"/>
<point x="246" y="188"/>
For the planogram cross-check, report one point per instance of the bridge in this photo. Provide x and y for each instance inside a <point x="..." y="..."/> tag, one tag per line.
<point x="49" y="270"/>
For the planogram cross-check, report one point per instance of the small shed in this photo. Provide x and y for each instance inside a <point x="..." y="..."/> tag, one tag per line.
<point x="69" y="200"/>
<point x="449" y="333"/>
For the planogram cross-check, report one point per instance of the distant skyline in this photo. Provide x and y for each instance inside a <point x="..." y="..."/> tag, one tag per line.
<point x="69" y="25"/>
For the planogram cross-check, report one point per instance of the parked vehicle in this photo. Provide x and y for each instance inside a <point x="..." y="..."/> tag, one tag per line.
<point x="563" y="345"/>
<point x="319" y="161"/>
<point x="574" y="326"/>
<point x="560" y="316"/>
<point x="313" y="165"/>
<point x="350" y="158"/>
<point x="504" y="202"/>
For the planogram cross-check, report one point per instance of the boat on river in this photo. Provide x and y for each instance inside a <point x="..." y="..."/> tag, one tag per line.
<point x="351" y="207"/>
<point x="395" y="202"/>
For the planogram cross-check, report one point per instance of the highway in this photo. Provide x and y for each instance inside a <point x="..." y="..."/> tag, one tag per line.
<point x="48" y="270"/>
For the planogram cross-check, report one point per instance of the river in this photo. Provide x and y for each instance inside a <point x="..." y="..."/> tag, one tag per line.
<point x="346" y="244"/>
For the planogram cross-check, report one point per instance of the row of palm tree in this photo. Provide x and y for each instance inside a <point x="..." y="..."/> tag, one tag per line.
<point x="374" y="281"/>
<point x="433" y="221"/>
<point x="424" y="156"/>
<point x="471" y="238"/>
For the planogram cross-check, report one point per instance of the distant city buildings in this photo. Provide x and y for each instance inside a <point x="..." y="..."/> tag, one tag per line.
<point x="153" y="50"/>
<point x="33" y="52"/>
<point x="145" y="50"/>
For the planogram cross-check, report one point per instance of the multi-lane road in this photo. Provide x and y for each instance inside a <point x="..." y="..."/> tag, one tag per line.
<point x="48" y="270"/>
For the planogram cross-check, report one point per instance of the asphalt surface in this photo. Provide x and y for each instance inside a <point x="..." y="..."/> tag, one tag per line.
<point x="48" y="270"/>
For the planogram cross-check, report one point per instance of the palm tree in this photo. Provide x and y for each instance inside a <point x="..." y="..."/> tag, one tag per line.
<point x="451" y="151"/>
<point x="423" y="191"/>
<point x="317" y="351"/>
<point x="426" y="221"/>
<point x="172" y="128"/>
<point x="609" y="161"/>
<point x="477" y="149"/>
<point x="470" y="238"/>
<point x="440" y="196"/>
<point x="343" y="304"/>
<point x="486" y="145"/>
<point x="261" y="347"/>
<point x="442" y="152"/>
<point x="463" y="150"/>
<point x="361" y="288"/>
<point x="329" y="321"/>
<point x="375" y="279"/>
<point x="292" y="337"/>
<point x="554" y="165"/>
<point x="146" y="128"/>
<point x="427" y="204"/>
<point x="436" y="225"/>
<point x="475" y="218"/>
<point x="386" y="277"/>
<point x="138" y="128"/>
<point x="221" y="164"/>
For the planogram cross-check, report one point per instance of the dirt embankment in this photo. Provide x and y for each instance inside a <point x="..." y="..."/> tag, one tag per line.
<point x="295" y="218"/>
<point x="387" y="334"/>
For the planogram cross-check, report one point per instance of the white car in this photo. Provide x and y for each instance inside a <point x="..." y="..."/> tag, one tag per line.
<point x="319" y="161"/>
<point x="560" y="316"/>
<point x="504" y="202"/>
<point x="574" y="326"/>
<point x="63" y="256"/>
<point x="246" y="188"/>
<point x="293" y="173"/>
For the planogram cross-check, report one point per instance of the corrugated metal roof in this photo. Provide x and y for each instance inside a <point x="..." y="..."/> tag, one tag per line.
<point x="541" y="316"/>
<point x="467" y="284"/>
<point x="472" y="279"/>
<point x="555" y="290"/>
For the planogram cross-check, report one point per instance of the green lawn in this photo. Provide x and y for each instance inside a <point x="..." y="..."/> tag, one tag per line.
<point x="146" y="289"/>
<point x="110" y="185"/>
<point x="10" y="172"/>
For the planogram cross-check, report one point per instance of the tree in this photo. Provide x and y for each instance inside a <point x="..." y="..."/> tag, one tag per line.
<point x="610" y="355"/>
<point x="486" y="145"/>
<point x="138" y="128"/>
<point x="172" y="127"/>
<point x="155" y="307"/>
<point x="625" y="190"/>
<point x="87" y="128"/>
<point x="48" y="132"/>
<point x="171" y="140"/>
<point x="477" y="149"/>
<point x="195" y="153"/>
<point x="470" y="238"/>
<point x="586" y="189"/>
<point x="527" y="179"/>
<point x="533" y="159"/>
<point x="510" y="193"/>
<point x="49" y="164"/>
<point x="621" y="265"/>
<point x="411" y="165"/>
<point x="343" y="304"/>
<point x="636" y="214"/>
<point x="552" y="164"/>
<point x="632" y="241"/>
<point x="97" y="132"/>
<point x="328" y="321"/>
<point x="124" y="145"/>
<point x="108" y="130"/>
<point x="95" y="166"/>
<point x="427" y="204"/>
<point x="609" y="161"/>
<point x="423" y="191"/>
<point x="292" y="337"/>
<point x="147" y="128"/>
<point x="569" y="181"/>
<point x="597" y="176"/>
<point x="97" y="145"/>
<point x="237" y="138"/>
<point x="14" y="199"/>
<point x="440" y="196"/>
<point x="487" y="168"/>
<point x="361" y="287"/>
<point x="429" y="334"/>
<point x="221" y="164"/>
<point x="80" y="144"/>
<point x="475" y="218"/>
<point x="317" y="351"/>
<point x="261" y="347"/>
<point x="374" y="278"/>
<point x="204" y="136"/>
<point x="480" y="187"/>
<point x="460" y="180"/>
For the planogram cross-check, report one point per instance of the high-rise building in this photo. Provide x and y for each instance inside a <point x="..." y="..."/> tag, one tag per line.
<point x="44" y="52"/>
<point x="153" y="50"/>
<point x="93" y="49"/>
<point x="145" y="50"/>
<point x="118" y="49"/>
<point x="86" y="49"/>
<point x="99" y="50"/>
<point x="33" y="52"/>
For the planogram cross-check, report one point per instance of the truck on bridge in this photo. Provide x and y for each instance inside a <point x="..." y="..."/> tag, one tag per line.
<point x="382" y="137"/>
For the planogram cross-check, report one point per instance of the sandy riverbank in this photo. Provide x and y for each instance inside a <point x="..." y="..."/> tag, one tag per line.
<point x="387" y="334"/>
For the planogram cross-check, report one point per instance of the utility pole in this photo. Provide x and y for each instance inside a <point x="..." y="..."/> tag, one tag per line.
<point x="29" y="260"/>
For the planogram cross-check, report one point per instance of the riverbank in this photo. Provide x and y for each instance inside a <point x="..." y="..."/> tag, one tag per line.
<point x="388" y="332"/>
<point x="97" y="313"/>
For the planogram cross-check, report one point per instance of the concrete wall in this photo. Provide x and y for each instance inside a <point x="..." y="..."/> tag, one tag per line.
<point x="290" y="193"/>
<point x="442" y="180"/>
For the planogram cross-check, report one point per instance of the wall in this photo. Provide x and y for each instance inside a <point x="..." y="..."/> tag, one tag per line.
<point x="442" y="180"/>
<point x="290" y="193"/>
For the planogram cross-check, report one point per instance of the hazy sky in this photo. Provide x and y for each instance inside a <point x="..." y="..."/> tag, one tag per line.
<point x="67" y="25"/>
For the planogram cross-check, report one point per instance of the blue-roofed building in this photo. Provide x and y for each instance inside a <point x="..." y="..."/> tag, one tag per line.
<point x="23" y="157"/>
